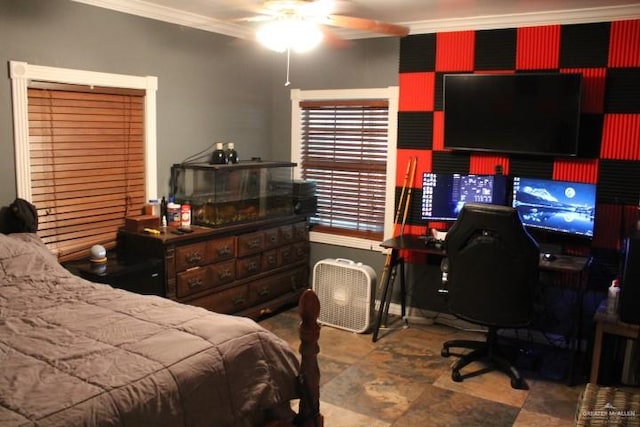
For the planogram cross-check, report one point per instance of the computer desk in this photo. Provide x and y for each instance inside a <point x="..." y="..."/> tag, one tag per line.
<point x="417" y="243"/>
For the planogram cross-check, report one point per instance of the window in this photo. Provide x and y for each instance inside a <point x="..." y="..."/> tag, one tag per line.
<point x="85" y="154"/>
<point x="344" y="141"/>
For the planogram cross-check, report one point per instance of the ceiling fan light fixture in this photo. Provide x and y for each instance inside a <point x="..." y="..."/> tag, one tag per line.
<point x="298" y="35"/>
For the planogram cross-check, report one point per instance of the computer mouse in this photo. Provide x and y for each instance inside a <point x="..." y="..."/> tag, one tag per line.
<point x="549" y="257"/>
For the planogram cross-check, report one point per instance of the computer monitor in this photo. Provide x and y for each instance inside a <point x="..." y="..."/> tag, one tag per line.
<point x="557" y="206"/>
<point x="443" y="195"/>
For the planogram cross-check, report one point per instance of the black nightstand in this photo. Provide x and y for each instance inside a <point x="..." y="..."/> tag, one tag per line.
<point x="143" y="277"/>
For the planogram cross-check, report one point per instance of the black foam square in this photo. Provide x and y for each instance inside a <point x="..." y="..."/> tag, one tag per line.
<point x="584" y="45"/>
<point x="450" y="162"/>
<point x="495" y="49"/>
<point x="619" y="182"/>
<point x="415" y="129"/>
<point x="531" y="167"/>
<point x="622" y="93"/>
<point x="418" y="53"/>
<point x="590" y="135"/>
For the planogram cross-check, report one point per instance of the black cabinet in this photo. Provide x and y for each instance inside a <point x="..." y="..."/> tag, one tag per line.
<point x="143" y="276"/>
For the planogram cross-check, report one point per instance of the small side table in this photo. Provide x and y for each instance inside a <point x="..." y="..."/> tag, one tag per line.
<point x="608" y="324"/>
<point x="144" y="277"/>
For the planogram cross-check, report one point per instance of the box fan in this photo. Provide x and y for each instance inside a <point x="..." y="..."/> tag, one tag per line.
<point x="346" y="292"/>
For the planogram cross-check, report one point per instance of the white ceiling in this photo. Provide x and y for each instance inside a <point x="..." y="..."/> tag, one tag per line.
<point x="421" y="16"/>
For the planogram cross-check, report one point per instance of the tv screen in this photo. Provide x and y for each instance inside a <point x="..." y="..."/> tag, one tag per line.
<point x="513" y="113"/>
<point x="559" y="206"/>
<point x="443" y="195"/>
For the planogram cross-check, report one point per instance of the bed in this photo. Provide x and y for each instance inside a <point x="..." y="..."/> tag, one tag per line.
<point x="73" y="352"/>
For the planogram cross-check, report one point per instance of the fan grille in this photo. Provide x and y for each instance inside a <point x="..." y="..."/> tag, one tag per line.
<point x="345" y="293"/>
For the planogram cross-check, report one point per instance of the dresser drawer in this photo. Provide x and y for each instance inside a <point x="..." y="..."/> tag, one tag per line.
<point x="272" y="287"/>
<point x="192" y="281"/>
<point x="286" y="233"/>
<point x="271" y="238"/>
<point x="250" y="243"/>
<point x="300" y="231"/>
<point x="228" y="301"/>
<point x="285" y="255"/>
<point x="222" y="272"/>
<point x="188" y="256"/>
<point x="270" y="260"/>
<point x="300" y="250"/>
<point x="221" y="249"/>
<point x="248" y="266"/>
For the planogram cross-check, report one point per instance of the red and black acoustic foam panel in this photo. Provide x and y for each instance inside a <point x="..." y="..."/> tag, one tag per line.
<point x="607" y="54"/>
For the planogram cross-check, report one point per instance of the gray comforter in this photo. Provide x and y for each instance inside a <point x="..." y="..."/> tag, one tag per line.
<point x="77" y="353"/>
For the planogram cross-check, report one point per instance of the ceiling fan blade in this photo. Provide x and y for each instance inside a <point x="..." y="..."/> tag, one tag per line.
<point x="332" y="39"/>
<point x="372" y="25"/>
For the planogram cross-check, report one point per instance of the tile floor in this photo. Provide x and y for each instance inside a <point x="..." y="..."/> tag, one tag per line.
<point x="402" y="381"/>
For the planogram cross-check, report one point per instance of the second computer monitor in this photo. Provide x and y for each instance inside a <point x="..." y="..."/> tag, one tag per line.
<point x="557" y="206"/>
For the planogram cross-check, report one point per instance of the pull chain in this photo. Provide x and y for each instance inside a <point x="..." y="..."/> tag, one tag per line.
<point x="287" y="83"/>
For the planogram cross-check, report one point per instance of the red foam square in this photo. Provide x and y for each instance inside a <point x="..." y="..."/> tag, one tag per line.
<point x="538" y="48"/>
<point x="455" y="51"/>
<point x="416" y="91"/>
<point x="624" y="44"/>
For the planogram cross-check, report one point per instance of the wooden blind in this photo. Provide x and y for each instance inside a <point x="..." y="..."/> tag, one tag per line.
<point x="344" y="150"/>
<point x="86" y="150"/>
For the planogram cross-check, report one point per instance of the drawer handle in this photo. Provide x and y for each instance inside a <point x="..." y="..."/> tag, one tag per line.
<point x="264" y="292"/>
<point x="286" y="256"/>
<point x="273" y="238"/>
<point x="252" y="266"/>
<point x="224" y="250"/>
<point x="194" y="283"/>
<point x="238" y="301"/>
<point x="271" y="260"/>
<point x="253" y="244"/>
<point x="265" y="311"/>
<point x="224" y="274"/>
<point x="288" y="236"/>
<point x="194" y="258"/>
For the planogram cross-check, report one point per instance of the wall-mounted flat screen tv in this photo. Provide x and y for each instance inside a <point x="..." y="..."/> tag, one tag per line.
<point x="528" y="113"/>
<point x="557" y="206"/>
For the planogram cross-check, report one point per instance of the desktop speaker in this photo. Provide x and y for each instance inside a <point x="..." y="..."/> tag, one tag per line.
<point x="629" y="304"/>
<point x="346" y="293"/>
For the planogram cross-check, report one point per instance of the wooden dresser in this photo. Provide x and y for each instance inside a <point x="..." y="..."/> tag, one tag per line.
<point x="246" y="269"/>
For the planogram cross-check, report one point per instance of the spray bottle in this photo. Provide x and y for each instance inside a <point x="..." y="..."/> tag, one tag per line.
<point x="613" y="297"/>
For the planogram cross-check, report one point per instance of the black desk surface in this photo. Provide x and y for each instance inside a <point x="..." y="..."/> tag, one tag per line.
<point x="418" y="243"/>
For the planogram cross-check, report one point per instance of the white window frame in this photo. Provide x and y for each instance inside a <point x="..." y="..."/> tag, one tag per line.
<point x="22" y="72"/>
<point x="389" y="93"/>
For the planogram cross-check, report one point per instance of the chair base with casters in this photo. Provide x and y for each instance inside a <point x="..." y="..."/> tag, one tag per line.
<point x="483" y="351"/>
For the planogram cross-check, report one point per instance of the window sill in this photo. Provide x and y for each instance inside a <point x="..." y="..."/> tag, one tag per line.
<point x="346" y="241"/>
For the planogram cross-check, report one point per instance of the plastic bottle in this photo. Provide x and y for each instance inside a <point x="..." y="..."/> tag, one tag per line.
<point x="613" y="296"/>
<point x="217" y="156"/>
<point x="152" y="208"/>
<point x="185" y="216"/>
<point x="163" y="209"/>
<point x="232" y="154"/>
<point x="173" y="214"/>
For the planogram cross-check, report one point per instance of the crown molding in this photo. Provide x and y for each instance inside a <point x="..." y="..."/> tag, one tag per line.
<point x="533" y="19"/>
<point x="173" y="16"/>
<point x="557" y="17"/>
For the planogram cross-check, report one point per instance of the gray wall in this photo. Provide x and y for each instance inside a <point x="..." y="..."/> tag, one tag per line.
<point x="210" y="87"/>
<point x="360" y="64"/>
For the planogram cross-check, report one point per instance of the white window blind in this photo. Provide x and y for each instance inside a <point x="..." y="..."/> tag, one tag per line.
<point x="344" y="150"/>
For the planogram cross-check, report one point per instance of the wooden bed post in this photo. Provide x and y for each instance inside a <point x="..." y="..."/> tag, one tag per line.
<point x="309" y="410"/>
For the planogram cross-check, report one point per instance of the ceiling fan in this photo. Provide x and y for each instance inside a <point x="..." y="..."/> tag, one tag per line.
<point x="301" y="24"/>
